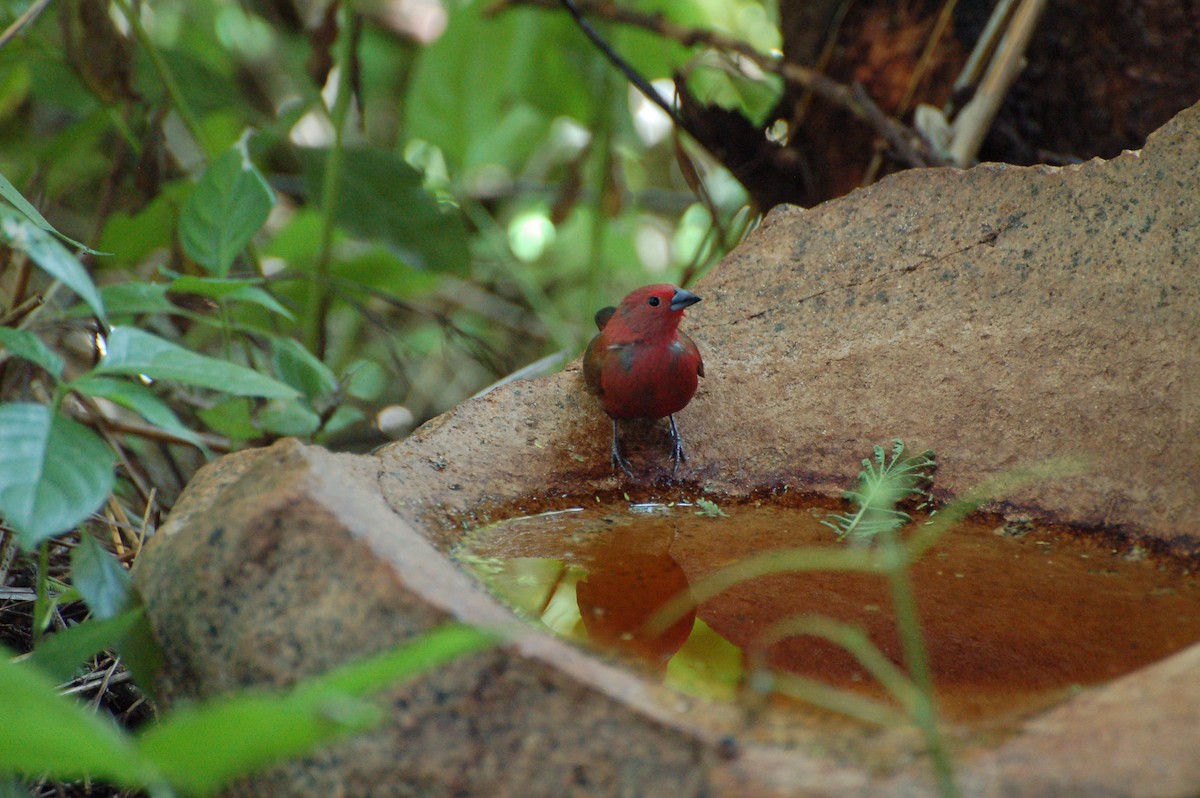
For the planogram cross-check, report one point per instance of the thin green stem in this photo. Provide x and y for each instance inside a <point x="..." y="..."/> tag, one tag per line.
<point x="190" y="121"/>
<point x="916" y="658"/>
<point x="318" y="287"/>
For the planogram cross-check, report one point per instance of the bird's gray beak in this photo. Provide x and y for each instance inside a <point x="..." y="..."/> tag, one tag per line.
<point x="683" y="299"/>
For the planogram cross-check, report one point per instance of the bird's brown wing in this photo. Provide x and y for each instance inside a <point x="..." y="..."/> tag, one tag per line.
<point x="603" y="315"/>
<point x="591" y="368"/>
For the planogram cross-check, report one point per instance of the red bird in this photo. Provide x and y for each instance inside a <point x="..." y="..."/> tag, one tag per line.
<point x="640" y="365"/>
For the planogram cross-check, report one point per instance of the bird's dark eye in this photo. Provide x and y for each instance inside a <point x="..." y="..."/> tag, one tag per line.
<point x="654" y="301"/>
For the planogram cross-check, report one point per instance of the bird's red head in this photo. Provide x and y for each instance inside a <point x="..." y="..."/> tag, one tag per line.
<point x="654" y="309"/>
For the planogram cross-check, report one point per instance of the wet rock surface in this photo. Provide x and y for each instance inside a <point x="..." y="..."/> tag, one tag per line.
<point x="999" y="315"/>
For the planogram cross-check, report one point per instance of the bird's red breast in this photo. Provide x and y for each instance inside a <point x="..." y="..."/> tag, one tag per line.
<point x="640" y="365"/>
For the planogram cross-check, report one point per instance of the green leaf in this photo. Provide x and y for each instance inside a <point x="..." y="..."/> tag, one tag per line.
<point x="134" y="237"/>
<point x="231" y="418"/>
<point x="289" y="418"/>
<point x="61" y="654"/>
<point x="141" y="400"/>
<point x="226" y="209"/>
<point x="383" y="198"/>
<point x="201" y="748"/>
<point x="25" y="344"/>
<point x="467" y="82"/>
<point x="343" y="418"/>
<point x="135" y="298"/>
<point x="365" y="379"/>
<point x="101" y="580"/>
<point x="139" y="651"/>
<point x="10" y="193"/>
<point x="242" y="290"/>
<point x="21" y="234"/>
<point x="53" y="471"/>
<point x="132" y="352"/>
<point x="301" y="369"/>
<point x="45" y="733"/>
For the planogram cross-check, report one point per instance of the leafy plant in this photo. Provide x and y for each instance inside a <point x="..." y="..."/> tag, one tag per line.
<point x="217" y="229"/>
<point x="883" y="485"/>
<point x="196" y="749"/>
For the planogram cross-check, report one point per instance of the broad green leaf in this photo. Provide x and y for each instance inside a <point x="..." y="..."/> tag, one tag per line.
<point x="382" y="198"/>
<point x="21" y="234"/>
<point x="44" y="733"/>
<point x="10" y="193"/>
<point x="140" y="652"/>
<point x="365" y="379"/>
<point x="25" y="344"/>
<point x="137" y="397"/>
<point x="226" y="209"/>
<point x="63" y="653"/>
<point x="132" y="352"/>
<point x="101" y="580"/>
<point x="301" y="369"/>
<point x="344" y="417"/>
<point x="243" y="290"/>
<point x="289" y="417"/>
<point x="200" y="748"/>
<point x="133" y="237"/>
<point x="466" y="83"/>
<point x="135" y="297"/>
<point x="53" y="471"/>
<point x="232" y="418"/>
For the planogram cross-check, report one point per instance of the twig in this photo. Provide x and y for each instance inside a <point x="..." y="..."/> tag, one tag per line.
<point x="804" y="77"/>
<point x="976" y="118"/>
<point x="214" y="442"/>
<point x="31" y="14"/>
<point x="620" y="63"/>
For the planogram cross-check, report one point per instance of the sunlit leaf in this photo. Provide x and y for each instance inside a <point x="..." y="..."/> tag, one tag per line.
<point x="20" y="233"/>
<point x="25" y="344"/>
<point x="132" y="352"/>
<point x="53" y="471"/>
<point x="226" y="209"/>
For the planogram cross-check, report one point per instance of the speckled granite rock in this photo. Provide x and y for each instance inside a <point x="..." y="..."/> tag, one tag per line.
<point x="999" y="315"/>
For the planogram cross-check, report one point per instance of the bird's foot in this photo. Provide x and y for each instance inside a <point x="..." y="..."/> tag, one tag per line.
<point x="676" y="446"/>
<point x="618" y="459"/>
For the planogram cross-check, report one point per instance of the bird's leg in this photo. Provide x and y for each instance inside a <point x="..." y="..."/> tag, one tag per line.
<point x="676" y="445"/>
<point x="618" y="459"/>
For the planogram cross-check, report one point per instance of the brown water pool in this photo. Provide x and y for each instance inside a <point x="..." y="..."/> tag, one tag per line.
<point x="1015" y="615"/>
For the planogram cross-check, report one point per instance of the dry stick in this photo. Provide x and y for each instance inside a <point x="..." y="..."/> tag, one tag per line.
<point x="17" y="314"/>
<point x="31" y="14"/>
<point x="976" y="118"/>
<point x="985" y="47"/>
<point x="899" y="135"/>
